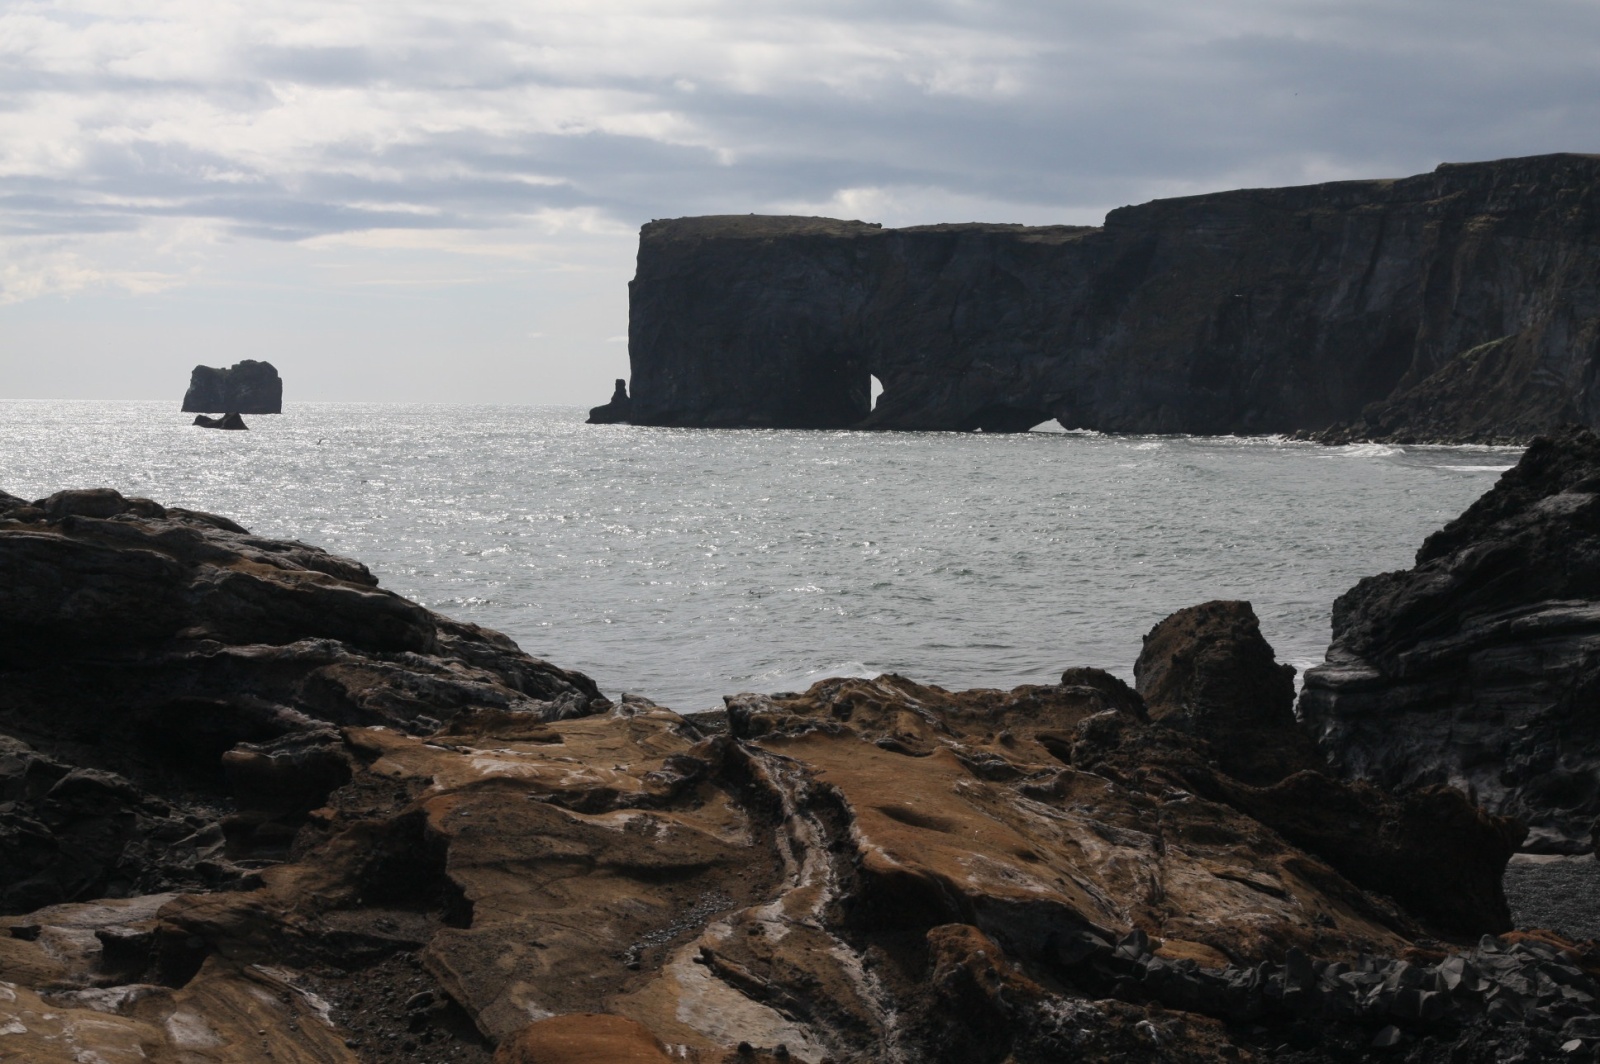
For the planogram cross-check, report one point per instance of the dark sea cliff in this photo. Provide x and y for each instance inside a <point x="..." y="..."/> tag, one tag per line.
<point x="1454" y="306"/>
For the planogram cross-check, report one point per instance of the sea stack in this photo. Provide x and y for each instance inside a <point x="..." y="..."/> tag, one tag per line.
<point x="617" y="410"/>
<point x="247" y="387"/>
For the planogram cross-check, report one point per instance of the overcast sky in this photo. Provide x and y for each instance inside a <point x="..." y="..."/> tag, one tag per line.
<point x="405" y="200"/>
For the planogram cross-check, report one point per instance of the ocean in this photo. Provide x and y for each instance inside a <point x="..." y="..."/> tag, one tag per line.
<point x="686" y="564"/>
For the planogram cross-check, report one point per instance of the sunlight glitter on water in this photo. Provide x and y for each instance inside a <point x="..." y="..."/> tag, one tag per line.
<point x="687" y="564"/>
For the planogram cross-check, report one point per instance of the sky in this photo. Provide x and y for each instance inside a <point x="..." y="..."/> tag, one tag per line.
<point x="412" y="200"/>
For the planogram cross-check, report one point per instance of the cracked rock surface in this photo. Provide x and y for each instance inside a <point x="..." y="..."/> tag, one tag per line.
<point x="280" y="814"/>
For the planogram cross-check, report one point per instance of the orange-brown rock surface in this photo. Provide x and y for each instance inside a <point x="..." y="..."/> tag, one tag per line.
<point x="449" y="851"/>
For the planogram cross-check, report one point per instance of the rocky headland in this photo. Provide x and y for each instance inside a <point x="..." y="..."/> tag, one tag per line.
<point x="254" y="807"/>
<point x="247" y="387"/>
<point x="1452" y="306"/>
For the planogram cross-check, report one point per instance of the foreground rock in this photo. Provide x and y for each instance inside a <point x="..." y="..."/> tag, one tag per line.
<point x="1454" y="304"/>
<point x="295" y="817"/>
<point x="172" y="685"/>
<point x="247" y="387"/>
<point x="1480" y="667"/>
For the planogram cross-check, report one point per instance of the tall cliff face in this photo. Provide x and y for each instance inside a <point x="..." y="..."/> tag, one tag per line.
<point x="1456" y="304"/>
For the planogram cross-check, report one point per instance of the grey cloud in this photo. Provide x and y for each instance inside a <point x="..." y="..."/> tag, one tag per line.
<point x="1113" y="103"/>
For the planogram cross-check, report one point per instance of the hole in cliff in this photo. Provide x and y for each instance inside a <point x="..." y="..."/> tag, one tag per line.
<point x="1048" y="426"/>
<point x="877" y="390"/>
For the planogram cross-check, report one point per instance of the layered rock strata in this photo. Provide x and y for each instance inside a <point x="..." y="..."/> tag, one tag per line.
<point x="247" y="387"/>
<point x="1460" y="302"/>
<point x="1480" y="667"/>
<point x="407" y="840"/>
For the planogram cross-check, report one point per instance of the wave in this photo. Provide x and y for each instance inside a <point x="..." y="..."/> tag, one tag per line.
<point x="1364" y="450"/>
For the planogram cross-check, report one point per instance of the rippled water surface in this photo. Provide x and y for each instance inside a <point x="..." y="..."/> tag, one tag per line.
<point x="686" y="564"/>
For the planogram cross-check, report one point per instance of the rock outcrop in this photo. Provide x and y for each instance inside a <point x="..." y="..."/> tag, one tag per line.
<point x="1460" y="302"/>
<point x="247" y="387"/>
<point x="1208" y="671"/>
<point x="1480" y="667"/>
<point x="253" y="807"/>
<point x="619" y="409"/>
<point x="159" y="665"/>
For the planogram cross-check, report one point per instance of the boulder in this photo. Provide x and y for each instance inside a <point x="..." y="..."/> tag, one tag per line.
<point x="247" y="387"/>
<point x="1479" y="668"/>
<point x="1207" y="671"/>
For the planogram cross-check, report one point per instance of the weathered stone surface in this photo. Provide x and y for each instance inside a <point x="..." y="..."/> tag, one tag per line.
<point x="1480" y="667"/>
<point x="874" y="870"/>
<point x="583" y="1038"/>
<point x="247" y="387"/>
<point x="1460" y="301"/>
<point x="170" y="683"/>
<point x="439" y="846"/>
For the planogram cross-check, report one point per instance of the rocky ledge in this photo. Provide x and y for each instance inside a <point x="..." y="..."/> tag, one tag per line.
<point x="254" y="807"/>
<point x="1480" y="667"/>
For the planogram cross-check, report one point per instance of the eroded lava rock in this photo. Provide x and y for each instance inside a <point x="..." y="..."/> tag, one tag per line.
<point x="173" y="686"/>
<point x="1480" y="667"/>
<point x="1207" y="671"/>
<point x="409" y="840"/>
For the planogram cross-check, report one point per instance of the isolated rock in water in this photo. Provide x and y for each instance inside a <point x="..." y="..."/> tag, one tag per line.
<point x="1449" y="305"/>
<point x="1480" y="666"/>
<point x="247" y="387"/>
<point x="227" y="421"/>
<point x="618" y="409"/>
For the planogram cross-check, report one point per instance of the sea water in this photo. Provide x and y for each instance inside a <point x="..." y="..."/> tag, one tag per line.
<point x="686" y="564"/>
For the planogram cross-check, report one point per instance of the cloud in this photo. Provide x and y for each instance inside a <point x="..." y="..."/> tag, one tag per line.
<point x="32" y="271"/>
<point x="318" y="122"/>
